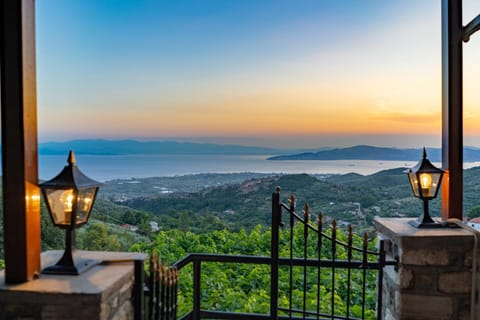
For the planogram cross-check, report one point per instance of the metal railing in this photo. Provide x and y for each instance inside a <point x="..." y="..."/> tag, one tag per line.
<point x="196" y="260"/>
<point x="316" y="274"/>
<point x="327" y="262"/>
<point x="161" y="290"/>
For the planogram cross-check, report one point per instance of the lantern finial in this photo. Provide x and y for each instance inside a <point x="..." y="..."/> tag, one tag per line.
<point x="71" y="158"/>
<point x="424" y="153"/>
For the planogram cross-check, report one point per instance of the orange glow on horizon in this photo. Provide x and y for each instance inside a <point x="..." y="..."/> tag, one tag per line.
<point x="308" y="110"/>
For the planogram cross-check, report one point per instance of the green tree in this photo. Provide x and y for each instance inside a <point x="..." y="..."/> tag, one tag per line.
<point x="53" y="238"/>
<point x="241" y="287"/>
<point x="474" y="212"/>
<point x="130" y="217"/>
<point x="96" y="237"/>
<point x="368" y="200"/>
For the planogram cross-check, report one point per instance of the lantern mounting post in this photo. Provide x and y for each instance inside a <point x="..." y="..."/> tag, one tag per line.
<point x="453" y="36"/>
<point x="21" y="205"/>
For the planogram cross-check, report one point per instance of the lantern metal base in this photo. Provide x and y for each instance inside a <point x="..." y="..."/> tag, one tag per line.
<point x="420" y="224"/>
<point x="425" y="221"/>
<point x="67" y="265"/>
<point x="79" y="267"/>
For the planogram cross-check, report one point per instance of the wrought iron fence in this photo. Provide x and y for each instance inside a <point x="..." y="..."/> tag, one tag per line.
<point x="154" y="294"/>
<point x="329" y="277"/>
<point x="161" y="290"/>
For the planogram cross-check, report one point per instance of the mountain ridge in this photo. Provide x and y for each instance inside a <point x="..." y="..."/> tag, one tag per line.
<point x="131" y="146"/>
<point x="365" y="152"/>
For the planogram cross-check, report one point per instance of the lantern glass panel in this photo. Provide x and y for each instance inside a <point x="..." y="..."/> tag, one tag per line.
<point x="412" y="177"/>
<point x="84" y="205"/>
<point x="429" y="183"/>
<point x="61" y="205"/>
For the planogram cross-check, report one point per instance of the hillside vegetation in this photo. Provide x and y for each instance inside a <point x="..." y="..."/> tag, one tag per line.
<point x="350" y="198"/>
<point x="205" y="203"/>
<point x="212" y="214"/>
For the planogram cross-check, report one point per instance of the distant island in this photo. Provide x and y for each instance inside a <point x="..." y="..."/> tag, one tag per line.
<point x="130" y="146"/>
<point x="364" y="152"/>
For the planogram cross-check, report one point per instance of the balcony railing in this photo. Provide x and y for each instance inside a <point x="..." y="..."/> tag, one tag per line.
<point x="314" y="277"/>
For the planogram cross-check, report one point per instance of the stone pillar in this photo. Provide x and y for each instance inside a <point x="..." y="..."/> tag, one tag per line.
<point x="433" y="278"/>
<point x="104" y="292"/>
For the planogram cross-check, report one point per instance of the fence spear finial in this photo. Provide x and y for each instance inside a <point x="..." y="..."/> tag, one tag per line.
<point x="291" y="201"/>
<point x="365" y="240"/>
<point x="306" y="212"/>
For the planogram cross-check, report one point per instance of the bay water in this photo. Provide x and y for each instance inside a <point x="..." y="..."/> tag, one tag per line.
<point x="110" y="167"/>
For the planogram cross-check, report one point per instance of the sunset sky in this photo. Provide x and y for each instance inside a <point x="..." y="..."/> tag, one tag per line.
<point x="309" y="73"/>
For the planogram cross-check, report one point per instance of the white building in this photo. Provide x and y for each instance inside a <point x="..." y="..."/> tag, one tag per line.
<point x="154" y="226"/>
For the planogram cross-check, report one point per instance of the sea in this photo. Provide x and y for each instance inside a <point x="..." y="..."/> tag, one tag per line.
<point x="110" y="167"/>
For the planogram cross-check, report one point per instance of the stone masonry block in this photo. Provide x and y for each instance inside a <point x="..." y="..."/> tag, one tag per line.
<point x="426" y="257"/>
<point x="20" y="310"/>
<point x="388" y="315"/>
<point x="72" y="311"/>
<point x="106" y="311"/>
<point x="423" y="307"/>
<point x="405" y="277"/>
<point x="127" y="286"/>
<point x="115" y="302"/>
<point x="396" y="301"/>
<point x="126" y="292"/>
<point x="455" y="282"/>
<point x="125" y="312"/>
<point x="464" y="315"/>
<point x="391" y="275"/>
<point x="425" y="279"/>
<point x="467" y="261"/>
<point x="125" y="280"/>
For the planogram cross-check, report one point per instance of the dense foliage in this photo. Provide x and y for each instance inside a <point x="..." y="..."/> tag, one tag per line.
<point x="350" y="198"/>
<point x="240" y="287"/>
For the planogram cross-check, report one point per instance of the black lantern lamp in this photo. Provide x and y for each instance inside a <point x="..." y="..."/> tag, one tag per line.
<point x="425" y="180"/>
<point x="69" y="197"/>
